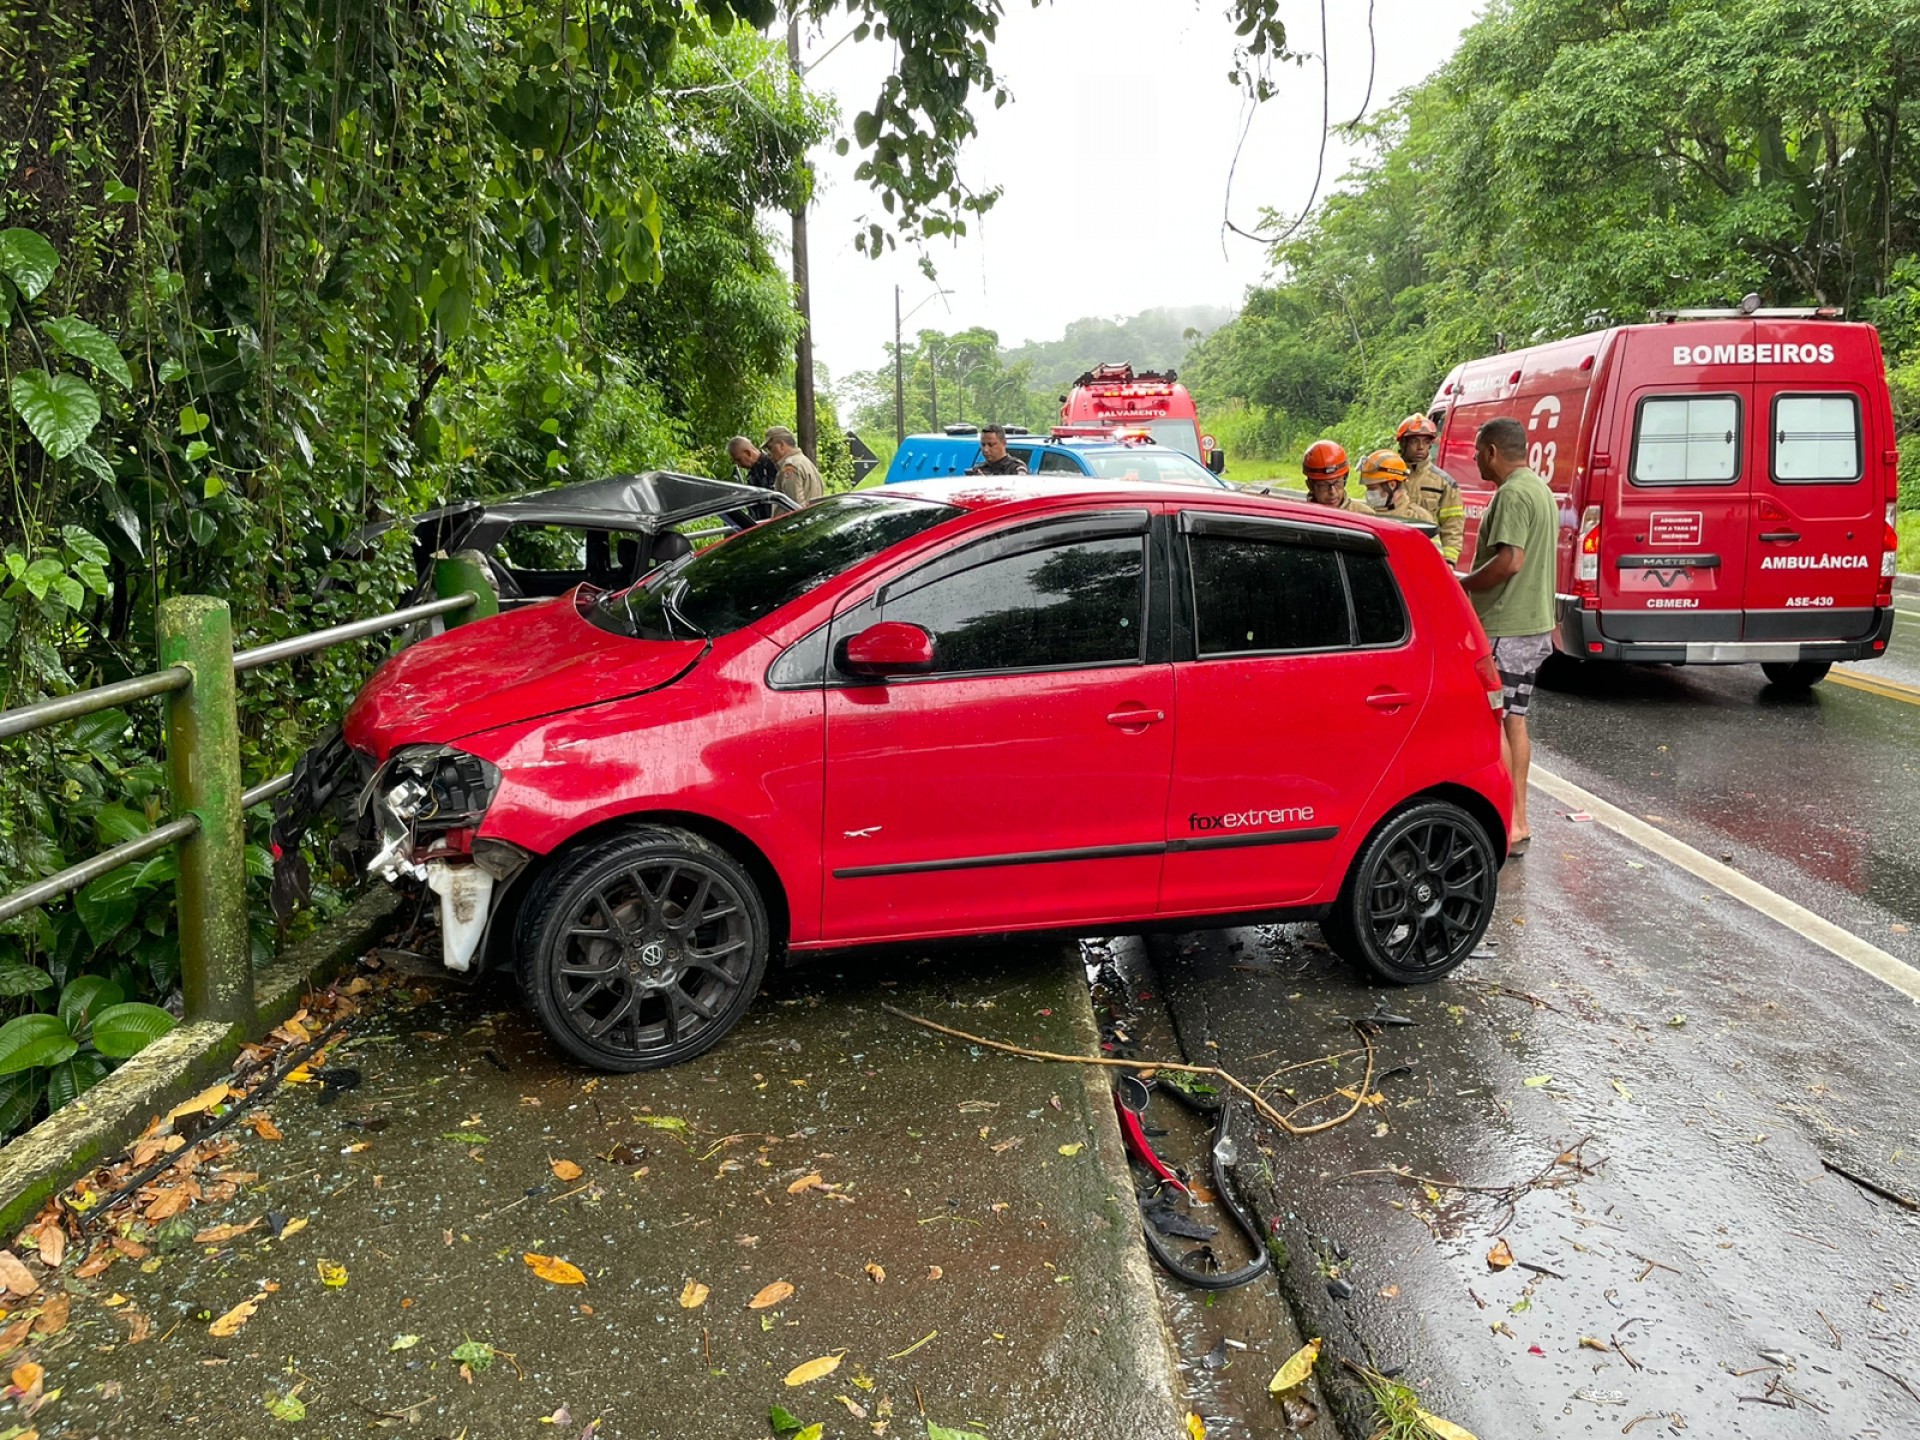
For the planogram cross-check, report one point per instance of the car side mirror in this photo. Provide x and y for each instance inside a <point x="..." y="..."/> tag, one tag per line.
<point x="1217" y="461"/>
<point x="892" y="647"/>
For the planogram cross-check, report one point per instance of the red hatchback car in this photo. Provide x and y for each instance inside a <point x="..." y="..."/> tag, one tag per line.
<point x="945" y="708"/>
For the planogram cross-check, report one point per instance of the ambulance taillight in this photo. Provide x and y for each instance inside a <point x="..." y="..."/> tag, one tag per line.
<point x="1889" y="557"/>
<point x="1586" y="562"/>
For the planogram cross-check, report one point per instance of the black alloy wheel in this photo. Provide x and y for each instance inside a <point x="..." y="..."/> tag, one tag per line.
<point x="643" y="950"/>
<point x="1419" y="896"/>
<point x="1796" y="674"/>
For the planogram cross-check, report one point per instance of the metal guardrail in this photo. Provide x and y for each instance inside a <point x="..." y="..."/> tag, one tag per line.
<point x="198" y="666"/>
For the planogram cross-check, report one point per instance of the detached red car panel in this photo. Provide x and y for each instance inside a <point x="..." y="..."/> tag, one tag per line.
<point x="1726" y="482"/>
<point x="946" y="708"/>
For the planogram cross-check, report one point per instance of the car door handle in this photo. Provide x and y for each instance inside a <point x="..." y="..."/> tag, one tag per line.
<point x="1389" y="699"/>
<point x="1127" y="719"/>
<point x="1780" y="537"/>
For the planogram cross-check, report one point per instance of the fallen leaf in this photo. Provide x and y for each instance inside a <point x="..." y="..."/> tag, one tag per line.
<point x="228" y="1325"/>
<point x="95" y="1265"/>
<point x="1587" y="1342"/>
<point x="1074" y="1149"/>
<point x="934" y="1272"/>
<point x="665" y="1122"/>
<point x="27" y="1376"/>
<point x="51" y="1241"/>
<point x="208" y="1098"/>
<point x="554" y="1270"/>
<point x="1445" y="1429"/>
<point x="1196" y="1427"/>
<point x="15" y="1335"/>
<point x="1500" y="1256"/>
<point x="783" y="1420"/>
<point x="403" y="1342"/>
<point x="52" y="1318"/>
<point x="15" y="1275"/>
<point x="814" y="1369"/>
<point x="1389" y="1292"/>
<point x="694" y="1296"/>
<point x="1536" y="1081"/>
<point x="132" y="1249"/>
<point x="1299" y="1365"/>
<point x="566" y="1170"/>
<point x="220" y="1234"/>
<point x="854" y="1407"/>
<point x="475" y="1353"/>
<point x="263" y="1126"/>
<point x="139" y="1325"/>
<point x="876" y="1274"/>
<point x="1625" y="1094"/>
<point x="941" y="1432"/>
<point x="770" y="1296"/>
<point x="331" y="1274"/>
<point x="168" y="1203"/>
<point x="805" y="1182"/>
<point x="289" y="1407"/>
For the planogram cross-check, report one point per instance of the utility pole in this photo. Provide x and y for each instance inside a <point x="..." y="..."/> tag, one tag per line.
<point x="803" y="412"/>
<point x="933" y="385"/>
<point x="899" y="377"/>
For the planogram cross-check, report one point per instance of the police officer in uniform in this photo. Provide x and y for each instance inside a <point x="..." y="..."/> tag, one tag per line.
<point x="994" y="459"/>
<point x="1385" y="476"/>
<point x="1325" y="466"/>
<point x="1432" y="488"/>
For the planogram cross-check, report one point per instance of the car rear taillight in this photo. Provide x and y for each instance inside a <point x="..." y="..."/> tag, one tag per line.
<point x="1489" y="674"/>
<point x="1889" y="556"/>
<point x="1586" y="560"/>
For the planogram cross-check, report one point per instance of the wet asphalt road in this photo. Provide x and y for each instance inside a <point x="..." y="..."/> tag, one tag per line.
<point x="1700" y="1270"/>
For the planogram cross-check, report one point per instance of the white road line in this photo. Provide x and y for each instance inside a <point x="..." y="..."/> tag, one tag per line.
<point x="1797" y="918"/>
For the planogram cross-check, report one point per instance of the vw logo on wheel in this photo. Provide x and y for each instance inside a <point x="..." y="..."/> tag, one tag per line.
<point x="653" y="953"/>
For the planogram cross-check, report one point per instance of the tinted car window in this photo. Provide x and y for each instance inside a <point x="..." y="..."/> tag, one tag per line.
<point x="750" y="576"/>
<point x="1052" y="462"/>
<point x="1378" y="614"/>
<point x="1264" y="595"/>
<point x="1156" y="466"/>
<point x="1816" y="439"/>
<point x="1066" y="605"/>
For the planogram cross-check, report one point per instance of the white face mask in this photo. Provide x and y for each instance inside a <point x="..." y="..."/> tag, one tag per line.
<point x="1377" y="498"/>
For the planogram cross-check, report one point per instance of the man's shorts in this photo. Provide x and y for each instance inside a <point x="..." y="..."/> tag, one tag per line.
<point x="1518" y="658"/>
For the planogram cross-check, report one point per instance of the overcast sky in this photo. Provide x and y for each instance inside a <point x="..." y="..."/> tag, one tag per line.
<point x="1114" y="155"/>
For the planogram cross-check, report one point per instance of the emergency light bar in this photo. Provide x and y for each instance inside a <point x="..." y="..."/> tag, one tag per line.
<point x="1753" y="312"/>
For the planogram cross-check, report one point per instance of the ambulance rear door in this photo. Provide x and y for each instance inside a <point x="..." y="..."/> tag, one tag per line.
<point x="1817" y="518"/>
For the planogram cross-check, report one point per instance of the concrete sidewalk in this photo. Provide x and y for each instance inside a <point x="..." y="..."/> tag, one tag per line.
<point x="919" y="1198"/>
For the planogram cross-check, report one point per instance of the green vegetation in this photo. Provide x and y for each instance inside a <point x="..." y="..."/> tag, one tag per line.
<point x="1572" y="167"/>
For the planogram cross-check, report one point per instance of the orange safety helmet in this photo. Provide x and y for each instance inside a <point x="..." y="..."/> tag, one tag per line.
<point x="1325" y="462"/>
<point x="1382" y="467"/>
<point x="1418" y="427"/>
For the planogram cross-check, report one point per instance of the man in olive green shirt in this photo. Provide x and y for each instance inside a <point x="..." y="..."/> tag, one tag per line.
<point x="1511" y="586"/>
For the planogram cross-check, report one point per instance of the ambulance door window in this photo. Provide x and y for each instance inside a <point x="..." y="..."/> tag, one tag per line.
<point x="1687" y="440"/>
<point x="1816" y="440"/>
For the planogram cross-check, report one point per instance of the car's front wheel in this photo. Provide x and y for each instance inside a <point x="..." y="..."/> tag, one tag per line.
<point x="1419" y="896"/>
<point x="642" y="950"/>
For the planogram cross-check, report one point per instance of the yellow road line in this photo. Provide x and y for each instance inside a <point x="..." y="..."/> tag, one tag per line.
<point x="1874" y="685"/>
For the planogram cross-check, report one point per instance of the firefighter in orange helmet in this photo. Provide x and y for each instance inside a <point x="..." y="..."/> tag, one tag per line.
<point x="1325" y="465"/>
<point x="1385" y="476"/>
<point x="1431" y="487"/>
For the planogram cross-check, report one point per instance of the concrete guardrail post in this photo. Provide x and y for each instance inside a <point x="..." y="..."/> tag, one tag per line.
<point x="203" y="763"/>
<point x="457" y="574"/>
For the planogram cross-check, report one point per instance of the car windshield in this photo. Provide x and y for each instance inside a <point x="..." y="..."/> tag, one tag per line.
<point x="1152" y="464"/>
<point x="750" y="576"/>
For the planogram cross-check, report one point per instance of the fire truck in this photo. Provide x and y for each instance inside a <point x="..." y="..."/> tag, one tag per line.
<point x="1114" y="400"/>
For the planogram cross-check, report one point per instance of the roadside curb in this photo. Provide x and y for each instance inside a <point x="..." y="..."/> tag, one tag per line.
<point x="1906" y="584"/>
<point x="109" y="1117"/>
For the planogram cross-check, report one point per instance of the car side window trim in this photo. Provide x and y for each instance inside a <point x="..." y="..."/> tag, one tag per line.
<point x="1281" y="533"/>
<point x="1294" y="532"/>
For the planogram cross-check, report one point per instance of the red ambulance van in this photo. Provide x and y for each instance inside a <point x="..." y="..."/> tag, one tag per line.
<point x="1726" y="481"/>
<point x="1113" y="399"/>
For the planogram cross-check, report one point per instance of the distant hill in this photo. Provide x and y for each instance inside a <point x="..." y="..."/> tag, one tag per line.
<point x="1152" y="340"/>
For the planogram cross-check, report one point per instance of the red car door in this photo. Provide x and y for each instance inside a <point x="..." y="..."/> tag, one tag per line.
<point x="1022" y="781"/>
<point x="1297" y="689"/>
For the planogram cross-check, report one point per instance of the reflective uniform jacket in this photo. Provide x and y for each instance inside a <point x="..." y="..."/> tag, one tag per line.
<point x="1434" y="491"/>
<point x="1349" y="502"/>
<point x="1402" y="507"/>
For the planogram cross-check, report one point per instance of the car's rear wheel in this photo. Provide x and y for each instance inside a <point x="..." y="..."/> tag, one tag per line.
<point x="1419" y="896"/>
<point x="642" y="950"/>
<point x="1796" y="674"/>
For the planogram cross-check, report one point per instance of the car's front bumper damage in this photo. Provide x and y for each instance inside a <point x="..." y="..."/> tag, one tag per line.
<point x="416" y="816"/>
